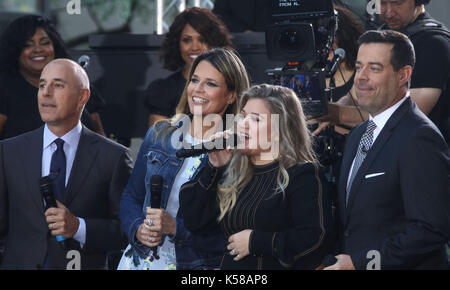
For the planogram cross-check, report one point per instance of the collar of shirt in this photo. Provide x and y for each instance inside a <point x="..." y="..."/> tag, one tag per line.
<point x="381" y="119"/>
<point x="71" y="140"/>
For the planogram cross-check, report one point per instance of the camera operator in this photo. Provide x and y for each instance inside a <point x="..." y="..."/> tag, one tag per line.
<point x="431" y="76"/>
<point x="341" y="109"/>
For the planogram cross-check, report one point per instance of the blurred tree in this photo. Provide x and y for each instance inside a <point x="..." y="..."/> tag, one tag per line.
<point x="100" y="11"/>
<point x="18" y="5"/>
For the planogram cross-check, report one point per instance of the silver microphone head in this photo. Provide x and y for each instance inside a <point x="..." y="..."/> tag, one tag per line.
<point x="340" y="52"/>
<point x="83" y="61"/>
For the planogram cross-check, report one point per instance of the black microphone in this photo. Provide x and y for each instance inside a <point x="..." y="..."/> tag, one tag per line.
<point x="83" y="61"/>
<point x="156" y="186"/>
<point x="339" y="55"/>
<point x="46" y="187"/>
<point x="209" y="146"/>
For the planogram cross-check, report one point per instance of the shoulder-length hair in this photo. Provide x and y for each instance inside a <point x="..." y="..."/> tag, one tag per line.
<point x="18" y="32"/>
<point x="226" y="62"/>
<point x="293" y="139"/>
<point x="205" y="22"/>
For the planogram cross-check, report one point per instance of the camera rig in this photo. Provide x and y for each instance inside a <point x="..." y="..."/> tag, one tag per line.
<point x="302" y="35"/>
<point x="303" y="31"/>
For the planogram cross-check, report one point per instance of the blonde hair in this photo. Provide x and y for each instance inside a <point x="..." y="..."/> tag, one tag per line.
<point x="294" y="139"/>
<point x="225" y="61"/>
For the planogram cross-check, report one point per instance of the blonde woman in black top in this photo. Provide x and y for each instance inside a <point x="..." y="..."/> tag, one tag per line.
<point x="267" y="196"/>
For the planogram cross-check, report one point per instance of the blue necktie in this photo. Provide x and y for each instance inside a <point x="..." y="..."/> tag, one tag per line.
<point x="58" y="170"/>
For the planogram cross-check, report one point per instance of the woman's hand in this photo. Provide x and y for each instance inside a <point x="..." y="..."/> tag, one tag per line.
<point x="239" y="244"/>
<point x="161" y="221"/>
<point x="148" y="237"/>
<point x="222" y="157"/>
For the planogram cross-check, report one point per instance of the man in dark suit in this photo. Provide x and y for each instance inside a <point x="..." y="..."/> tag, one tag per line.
<point x="394" y="185"/>
<point x="89" y="173"/>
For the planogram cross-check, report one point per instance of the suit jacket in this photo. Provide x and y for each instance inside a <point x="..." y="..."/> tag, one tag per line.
<point x="99" y="173"/>
<point x="399" y="200"/>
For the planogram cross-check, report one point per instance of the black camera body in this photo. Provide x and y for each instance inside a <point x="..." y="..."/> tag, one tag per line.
<point x="303" y="31"/>
<point x="302" y="36"/>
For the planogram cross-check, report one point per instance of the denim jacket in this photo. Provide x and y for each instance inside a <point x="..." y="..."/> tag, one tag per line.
<point x="157" y="156"/>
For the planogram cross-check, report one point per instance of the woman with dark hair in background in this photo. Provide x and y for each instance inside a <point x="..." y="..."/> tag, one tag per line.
<point x="27" y="45"/>
<point x="347" y="34"/>
<point x="193" y="31"/>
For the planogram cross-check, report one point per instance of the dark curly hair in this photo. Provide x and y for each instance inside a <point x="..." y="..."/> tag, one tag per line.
<point x="204" y="22"/>
<point x="17" y="33"/>
<point x="347" y="34"/>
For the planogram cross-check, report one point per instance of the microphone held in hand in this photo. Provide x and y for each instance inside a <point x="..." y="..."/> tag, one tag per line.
<point x="46" y="188"/>
<point x="156" y="186"/>
<point x="208" y="147"/>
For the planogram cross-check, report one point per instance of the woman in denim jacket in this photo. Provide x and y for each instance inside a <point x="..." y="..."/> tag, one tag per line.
<point x="216" y="80"/>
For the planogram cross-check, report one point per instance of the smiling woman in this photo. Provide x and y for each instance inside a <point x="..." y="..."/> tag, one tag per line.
<point x="27" y="45"/>
<point x="216" y="81"/>
<point x="207" y="91"/>
<point x="193" y="31"/>
<point x="37" y="52"/>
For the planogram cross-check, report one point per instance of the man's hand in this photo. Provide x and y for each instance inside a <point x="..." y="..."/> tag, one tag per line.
<point x="61" y="221"/>
<point x="344" y="262"/>
<point x="331" y="118"/>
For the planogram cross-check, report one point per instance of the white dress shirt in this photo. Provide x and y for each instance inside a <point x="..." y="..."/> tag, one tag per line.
<point x="71" y="140"/>
<point x="380" y="120"/>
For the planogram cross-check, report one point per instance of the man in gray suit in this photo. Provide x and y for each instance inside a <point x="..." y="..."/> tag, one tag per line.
<point x="89" y="173"/>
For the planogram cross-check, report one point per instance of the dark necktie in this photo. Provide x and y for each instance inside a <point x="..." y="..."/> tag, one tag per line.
<point x="58" y="170"/>
<point x="363" y="148"/>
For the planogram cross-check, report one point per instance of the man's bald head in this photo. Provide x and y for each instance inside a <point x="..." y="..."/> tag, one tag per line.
<point x="63" y="93"/>
<point x="78" y="72"/>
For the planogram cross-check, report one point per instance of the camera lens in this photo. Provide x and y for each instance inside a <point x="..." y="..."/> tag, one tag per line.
<point x="291" y="39"/>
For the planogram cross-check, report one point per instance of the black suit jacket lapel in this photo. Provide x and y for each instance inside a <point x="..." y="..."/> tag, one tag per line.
<point x="349" y="155"/>
<point x="31" y="155"/>
<point x="84" y="159"/>
<point x="375" y="150"/>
